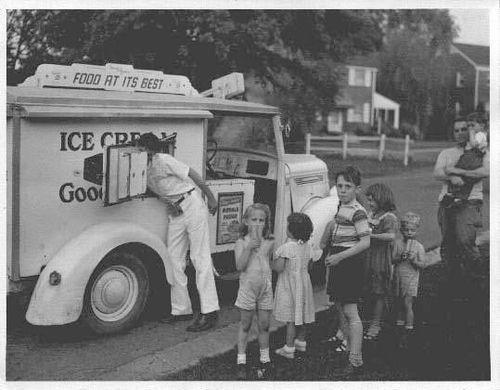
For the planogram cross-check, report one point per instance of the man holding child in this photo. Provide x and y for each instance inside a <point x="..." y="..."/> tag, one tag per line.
<point x="460" y="217"/>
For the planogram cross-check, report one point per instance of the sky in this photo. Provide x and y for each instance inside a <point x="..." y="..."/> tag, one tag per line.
<point x="474" y="25"/>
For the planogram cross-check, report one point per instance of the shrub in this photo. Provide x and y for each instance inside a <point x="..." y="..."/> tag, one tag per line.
<point x="404" y="128"/>
<point x="358" y="128"/>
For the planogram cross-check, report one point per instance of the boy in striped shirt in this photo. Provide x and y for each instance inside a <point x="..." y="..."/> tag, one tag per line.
<point x="346" y="238"/>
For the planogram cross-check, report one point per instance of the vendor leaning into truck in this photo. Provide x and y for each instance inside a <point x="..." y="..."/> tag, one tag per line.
<point x="173" y="182"/>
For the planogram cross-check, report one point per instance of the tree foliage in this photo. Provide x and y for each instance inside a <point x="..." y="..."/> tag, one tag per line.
<point x="293" y="53"/>
<point x="414" y="66"/>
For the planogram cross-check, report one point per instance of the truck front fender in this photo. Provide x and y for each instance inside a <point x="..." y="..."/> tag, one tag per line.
<point x="75" y="262"/>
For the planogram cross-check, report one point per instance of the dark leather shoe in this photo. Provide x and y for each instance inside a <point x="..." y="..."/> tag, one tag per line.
<point x="173" y="318"/>
<point x="195" y="324"/>
<point x="204" y="322"/>
<point x="347" y="371"/>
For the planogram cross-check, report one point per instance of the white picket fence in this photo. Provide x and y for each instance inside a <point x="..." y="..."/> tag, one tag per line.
<point x="355" y="140"/>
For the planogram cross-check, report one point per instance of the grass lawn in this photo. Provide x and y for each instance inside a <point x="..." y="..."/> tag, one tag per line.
<point x="414" y="189"/>
<point x="370" y="167"/>
<point x="453" y="349"/>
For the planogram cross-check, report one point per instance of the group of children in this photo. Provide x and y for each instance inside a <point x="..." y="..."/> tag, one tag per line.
<point x="363" y="258"/>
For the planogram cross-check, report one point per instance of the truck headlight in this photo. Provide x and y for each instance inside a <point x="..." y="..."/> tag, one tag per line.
<point x="54" y="278"/>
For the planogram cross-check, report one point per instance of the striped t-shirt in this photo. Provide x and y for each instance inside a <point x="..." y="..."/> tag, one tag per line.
<point x="347" y="228"/>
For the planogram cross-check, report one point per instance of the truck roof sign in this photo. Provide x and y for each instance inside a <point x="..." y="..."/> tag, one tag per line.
<point x="110" y="77"/>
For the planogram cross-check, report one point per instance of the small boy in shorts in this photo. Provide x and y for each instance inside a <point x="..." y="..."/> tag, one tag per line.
<point x="408" y="259"/>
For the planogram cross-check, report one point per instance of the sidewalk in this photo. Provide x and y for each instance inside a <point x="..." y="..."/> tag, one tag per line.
<point x="189" y="353"/>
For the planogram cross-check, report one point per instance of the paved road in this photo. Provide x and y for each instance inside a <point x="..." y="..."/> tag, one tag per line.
<point x="66" y="353"/>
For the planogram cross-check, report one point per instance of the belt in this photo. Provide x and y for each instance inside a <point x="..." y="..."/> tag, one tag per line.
<point x="179" y="200"/>
<point x="449" y="201"/>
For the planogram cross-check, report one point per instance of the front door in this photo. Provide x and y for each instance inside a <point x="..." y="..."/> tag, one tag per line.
<point x="334" y="121"/>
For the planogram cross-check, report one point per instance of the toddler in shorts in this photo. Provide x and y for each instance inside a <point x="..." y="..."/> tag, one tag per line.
<point x="409" y="259"/>
<point x="255" y="294"/>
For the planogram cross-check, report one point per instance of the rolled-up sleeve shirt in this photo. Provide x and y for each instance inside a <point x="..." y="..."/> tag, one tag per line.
<point x="448" y="158"/>
<point x="168" y="176"/>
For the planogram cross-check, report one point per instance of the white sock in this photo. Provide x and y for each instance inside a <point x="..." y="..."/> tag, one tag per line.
<point x="409" y="327"/>
<point x="400" y="322"/>
<point x="264" y="355"/>
<point x="288" y="349"/>
<point x="300" y="343"/>
<point x="242" y="358"/>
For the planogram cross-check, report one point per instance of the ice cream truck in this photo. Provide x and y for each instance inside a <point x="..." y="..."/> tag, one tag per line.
<point x="84" y="235"/>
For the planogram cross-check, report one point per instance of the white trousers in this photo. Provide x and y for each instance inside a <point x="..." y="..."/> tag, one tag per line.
<point x="190" y="231"/>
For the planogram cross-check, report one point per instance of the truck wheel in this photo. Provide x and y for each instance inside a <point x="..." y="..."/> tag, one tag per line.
<point x="116" y="294"/>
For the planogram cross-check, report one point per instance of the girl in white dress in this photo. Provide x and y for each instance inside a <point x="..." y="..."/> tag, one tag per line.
<point x="293" y="300"/>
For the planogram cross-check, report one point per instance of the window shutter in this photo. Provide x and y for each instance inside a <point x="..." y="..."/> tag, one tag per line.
<point x="350" y="113"/>
<point x="366" y="112"/>
<point x="368" y="78"/>
<point x="351" y="76"/>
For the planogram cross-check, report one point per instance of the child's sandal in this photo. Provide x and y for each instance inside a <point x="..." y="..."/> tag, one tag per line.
<point x="342" y="347"/>
<point x="285" y="352"/>
<point x="371" y="337"/>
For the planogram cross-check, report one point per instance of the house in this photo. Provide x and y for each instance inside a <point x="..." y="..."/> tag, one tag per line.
<point x="358" y="105"/>
<point x="471" y="68"/>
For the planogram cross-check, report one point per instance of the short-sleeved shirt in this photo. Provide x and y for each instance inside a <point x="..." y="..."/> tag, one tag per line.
<point x="448" y="158"/>
<point x="345" y="229"/>
<point x="168" y="176"/>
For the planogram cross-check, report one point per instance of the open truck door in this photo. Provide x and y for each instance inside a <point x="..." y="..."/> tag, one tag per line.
<point x="125" y="174"/>
<point x="124" y="170"/>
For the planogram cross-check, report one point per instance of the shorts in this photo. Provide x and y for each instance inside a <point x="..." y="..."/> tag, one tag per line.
<point x="255" y="293"/>
<point x="405" y="284"/>
<point x="346" y="282"/>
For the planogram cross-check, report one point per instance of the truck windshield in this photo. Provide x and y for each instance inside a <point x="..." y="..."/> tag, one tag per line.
<point x="247" y="132"/>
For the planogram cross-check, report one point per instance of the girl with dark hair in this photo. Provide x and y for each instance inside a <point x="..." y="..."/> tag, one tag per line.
<point x="293" y="300"/>
<point x="378" y="265"/>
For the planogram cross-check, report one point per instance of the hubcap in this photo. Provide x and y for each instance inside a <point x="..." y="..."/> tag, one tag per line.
<point x="114" y="293"/>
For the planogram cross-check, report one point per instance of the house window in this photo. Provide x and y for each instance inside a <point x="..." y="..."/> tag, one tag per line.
<point x="334" y="124"/>
<point x="360" y="77"/>
<point x="460" y="81"/>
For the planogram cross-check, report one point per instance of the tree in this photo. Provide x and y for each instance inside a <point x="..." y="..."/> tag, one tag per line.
<point x="293" y="53"/>
<point x="414" y="65"/>
<point x="38" y="36"/>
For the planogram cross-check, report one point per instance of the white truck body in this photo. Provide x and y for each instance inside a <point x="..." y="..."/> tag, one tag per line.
<point x="56" y="219"/>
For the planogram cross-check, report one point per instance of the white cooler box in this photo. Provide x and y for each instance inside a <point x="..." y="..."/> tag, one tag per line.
<point x="233" y="197"/>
